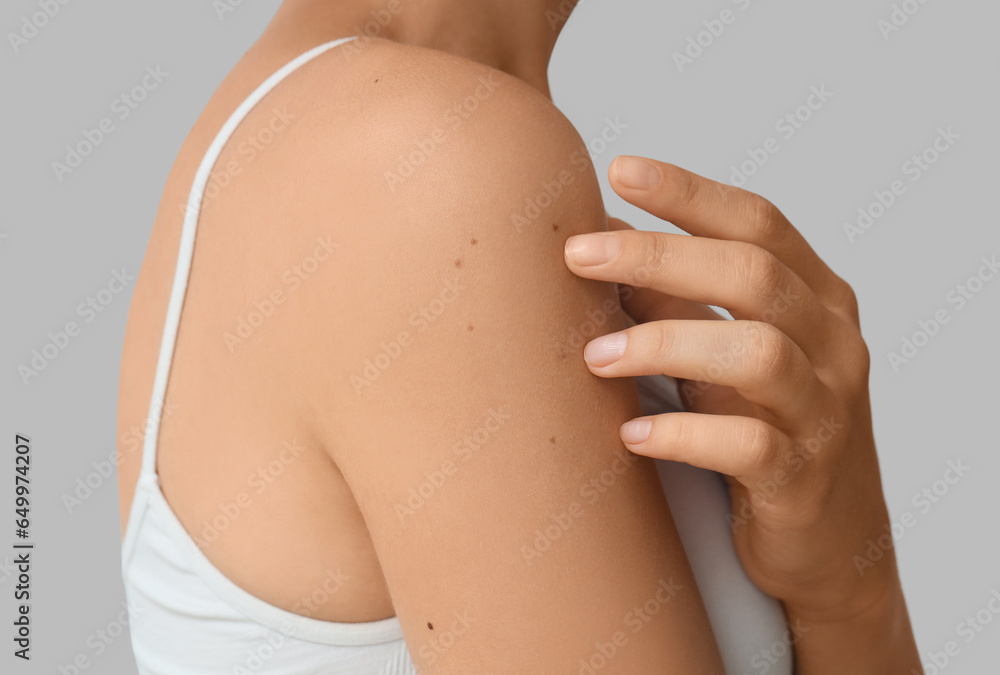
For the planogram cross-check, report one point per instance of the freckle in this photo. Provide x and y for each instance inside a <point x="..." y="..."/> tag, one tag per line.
<point x="458" y="263"/>
<point x="555" y="228"/>
<point x="552" y="440"/>
<point x="475" y="241"/>
<point x="430" y="625"/>
<point x="471" y="327"/>
<point x="376" y="80"/>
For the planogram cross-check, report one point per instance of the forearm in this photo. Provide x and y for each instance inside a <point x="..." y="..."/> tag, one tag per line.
<point x="877" y="640"/>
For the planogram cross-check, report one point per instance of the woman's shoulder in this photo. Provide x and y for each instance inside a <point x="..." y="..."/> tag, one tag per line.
<point x="412" y="118"/>
<point x="426" y="173"/>
<point x="445" y="370"/>
<point x="409" y="79"/>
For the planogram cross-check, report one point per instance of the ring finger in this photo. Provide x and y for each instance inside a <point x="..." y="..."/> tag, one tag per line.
<point x="757" y="360"/>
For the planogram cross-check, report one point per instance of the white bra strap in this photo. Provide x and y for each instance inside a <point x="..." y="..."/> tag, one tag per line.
<point x="186" y="251"/>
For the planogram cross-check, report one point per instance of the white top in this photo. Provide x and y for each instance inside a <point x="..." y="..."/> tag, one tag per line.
<point x="191" y="619"/>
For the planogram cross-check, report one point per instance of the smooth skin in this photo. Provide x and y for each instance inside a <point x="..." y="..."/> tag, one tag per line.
<point x="427" y="368"/>
<point x="777" y="401"/>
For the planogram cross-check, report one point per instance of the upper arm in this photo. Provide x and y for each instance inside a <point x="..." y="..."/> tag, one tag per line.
<point x="515" y="532"/>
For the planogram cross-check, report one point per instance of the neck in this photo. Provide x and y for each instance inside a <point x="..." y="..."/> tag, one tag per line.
<point x="514" y="36"/>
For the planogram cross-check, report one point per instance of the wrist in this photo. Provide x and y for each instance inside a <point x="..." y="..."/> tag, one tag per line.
<point x="868" y="633"/>
<point x="848" y="596"/>
<point x="853" y="576"/>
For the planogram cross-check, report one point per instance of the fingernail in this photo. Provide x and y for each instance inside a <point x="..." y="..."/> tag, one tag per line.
<point x="592" y="249"/>
<point x="636" y="431"/>
<point x="636" y="173"/>
<point x="604" y="351"/>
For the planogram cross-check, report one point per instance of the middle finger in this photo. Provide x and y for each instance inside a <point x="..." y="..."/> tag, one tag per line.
<point x="743" y="278"/>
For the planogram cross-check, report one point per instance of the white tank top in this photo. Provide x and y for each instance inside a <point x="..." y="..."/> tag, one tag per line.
<point x="190" y="618"/>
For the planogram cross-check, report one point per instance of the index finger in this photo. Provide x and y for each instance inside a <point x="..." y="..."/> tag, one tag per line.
<point x="706" y="208"/>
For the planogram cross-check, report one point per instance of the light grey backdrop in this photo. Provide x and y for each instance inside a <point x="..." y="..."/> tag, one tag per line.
<point x="891" y="90"/>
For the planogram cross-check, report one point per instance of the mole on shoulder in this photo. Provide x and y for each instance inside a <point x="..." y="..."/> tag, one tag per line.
<point x="471" y="327"/>
<point x="430" y="625"/>
<point x="475" y="241"/>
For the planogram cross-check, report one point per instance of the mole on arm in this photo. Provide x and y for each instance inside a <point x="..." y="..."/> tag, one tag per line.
<point x="475" y="241"/>
<point x="458" y="263"/>
<point x="430" y="625"/>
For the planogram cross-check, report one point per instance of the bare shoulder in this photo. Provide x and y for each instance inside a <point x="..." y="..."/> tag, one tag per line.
<point x="434" y="171"/>
<point x="428" y="170"/>
<point x="415" y="118"/>
<point x="441" y="350"/>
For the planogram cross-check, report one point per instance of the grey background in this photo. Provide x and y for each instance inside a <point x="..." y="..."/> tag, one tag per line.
<point x="61" y="242"/>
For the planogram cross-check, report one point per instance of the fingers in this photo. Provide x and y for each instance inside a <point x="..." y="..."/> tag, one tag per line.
<point x="742" y="447"/>
<point x="757" y="360"/>
<point x="648" y="305"/>
<point x="651" y="305"/>
<point x="743" y="278"/>
<point x="707" y="208"/>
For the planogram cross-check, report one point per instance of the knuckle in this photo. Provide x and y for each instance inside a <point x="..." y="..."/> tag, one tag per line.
<point x="649" y="260"/>
<point x="681" y="185"/>
<point x="760" y="443"/>
<point x="864" y="367"/>
<point x="860" y="363"/>
<point x="772" y="355"/>
<point x="660" y="341"/>
<point x="765" y="273"/>
<point x="850" y="303"/>
<point x="863" y="356"/>
<point x="839" y="296"/>
<point x="680" y="433"/>
<point x="764" y="219"/>
<point x="845" y="295"/>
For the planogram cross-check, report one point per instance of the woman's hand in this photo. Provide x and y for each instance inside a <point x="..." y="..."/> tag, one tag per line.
<point x="777" y="399"/>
